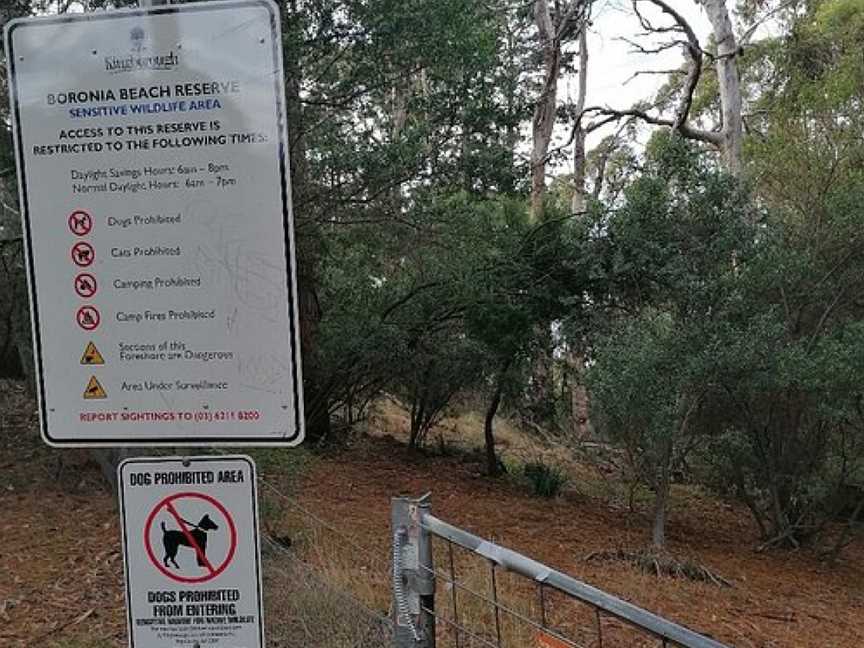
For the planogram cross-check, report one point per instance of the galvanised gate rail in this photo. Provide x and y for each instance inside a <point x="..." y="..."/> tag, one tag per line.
<point x="414" y="589"/>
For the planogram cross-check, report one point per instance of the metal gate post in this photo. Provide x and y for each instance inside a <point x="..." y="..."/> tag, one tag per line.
<point x="413" y="575"/>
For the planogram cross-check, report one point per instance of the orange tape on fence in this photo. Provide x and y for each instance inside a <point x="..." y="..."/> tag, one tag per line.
<point x="547" y="641"/>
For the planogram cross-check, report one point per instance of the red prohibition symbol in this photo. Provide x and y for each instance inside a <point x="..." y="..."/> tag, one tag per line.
<point x="83" y="254"/>
<point x="194" y="538"/>
<point x="80" y="222"/>
<point x="85" y="285"/>
<point x="87" y="317"/>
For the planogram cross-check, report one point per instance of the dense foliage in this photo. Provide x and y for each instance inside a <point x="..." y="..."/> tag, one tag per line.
<point x="714" y="310"/>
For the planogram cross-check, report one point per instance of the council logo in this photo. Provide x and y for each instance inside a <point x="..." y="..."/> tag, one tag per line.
<point x="139" y="56"/>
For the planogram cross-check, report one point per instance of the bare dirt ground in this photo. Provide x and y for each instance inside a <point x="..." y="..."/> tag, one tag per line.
<point x="60" y="567"/>
<point x="60" y="563"/>
<point x="779" y="599"/>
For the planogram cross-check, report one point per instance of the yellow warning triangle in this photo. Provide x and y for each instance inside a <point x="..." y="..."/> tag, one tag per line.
<point x="92" y="356"/>
<point x="94" y="390"/>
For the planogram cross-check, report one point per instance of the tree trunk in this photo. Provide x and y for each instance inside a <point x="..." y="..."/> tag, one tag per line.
<point x="317" y="401"/>
<point x="750" y="503"/>
<point x="578" y="202"/>
<point x="488" y="424"/>
<point x="662" y="483"/>
<point x="418" y="416"/>
<point x="108" y="460"/>
<point x="511" y="138"/>
<point x="729" y="83"/>
<point x="579" y="405"/>
<point x="658" y="528"/>
<point x="847" y="532"/>
<point x="781" y="526"/>
<point x="309" y="245"/>
<point x="22" y="338"/>
<point x="415" y="424"/>
<point x="399" y="117"/>
<point x="20" y="333"/>
<point x="578" y="205"/>
<point x="541" y="392"/>
<point x="544" y="109"/>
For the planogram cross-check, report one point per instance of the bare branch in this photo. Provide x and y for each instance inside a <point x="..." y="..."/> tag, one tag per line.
<point x="641" y="49"/>
<point x="600" y="123"/>
<point x="639" y="73"/>
<point x="693" y="51"/>
<point x="647" y="26"/>
<point x="709" y="137"/>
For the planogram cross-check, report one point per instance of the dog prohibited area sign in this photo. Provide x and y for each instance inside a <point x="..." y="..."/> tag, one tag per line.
<point x="157" y="224"/>
<point x="191" y="552"/>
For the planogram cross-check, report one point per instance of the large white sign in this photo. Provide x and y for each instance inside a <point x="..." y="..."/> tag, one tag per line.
<point x="152" y="158"/>
<point x="191" y="552"/>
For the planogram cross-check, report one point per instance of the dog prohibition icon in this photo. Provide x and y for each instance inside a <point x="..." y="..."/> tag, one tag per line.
<point x="196" y="539"/>
<point x="190" y="537"/>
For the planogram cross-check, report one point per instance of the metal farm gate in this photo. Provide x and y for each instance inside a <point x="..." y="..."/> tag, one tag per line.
<point x="504" y="599"/>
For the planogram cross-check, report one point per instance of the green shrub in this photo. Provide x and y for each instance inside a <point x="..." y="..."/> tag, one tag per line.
<point x="546" y="481"/>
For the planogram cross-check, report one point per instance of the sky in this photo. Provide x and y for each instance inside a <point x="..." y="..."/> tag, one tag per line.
<point x="612" y="62"/>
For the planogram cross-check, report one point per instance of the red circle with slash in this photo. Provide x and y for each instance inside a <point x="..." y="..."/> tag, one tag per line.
<point x="80" y="222"/>
<point x="83" y="254"/>
<point x="212" y="568"/>
<point x="88" y="318"/>
<point x="85" y="285"/>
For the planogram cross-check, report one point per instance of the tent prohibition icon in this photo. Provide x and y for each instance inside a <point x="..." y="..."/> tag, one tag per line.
<point x="85" y="285"/>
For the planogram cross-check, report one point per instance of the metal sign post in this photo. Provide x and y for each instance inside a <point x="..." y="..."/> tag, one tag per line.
<point x="155" y="189"/>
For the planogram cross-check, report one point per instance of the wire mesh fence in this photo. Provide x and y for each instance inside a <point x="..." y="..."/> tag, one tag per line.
<point x="322" y="587"/>
<point x="327" y="588"/>
<point x="305" y="609"/>
<point x="479" y="604"/>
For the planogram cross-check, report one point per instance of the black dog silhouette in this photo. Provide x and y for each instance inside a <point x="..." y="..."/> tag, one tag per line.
<point x="173" y="540"/>
<point x="80" y="223"/>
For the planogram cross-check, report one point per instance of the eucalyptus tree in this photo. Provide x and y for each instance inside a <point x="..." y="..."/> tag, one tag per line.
<point x="725" y="134"/>
<point x="557" y="23"/>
